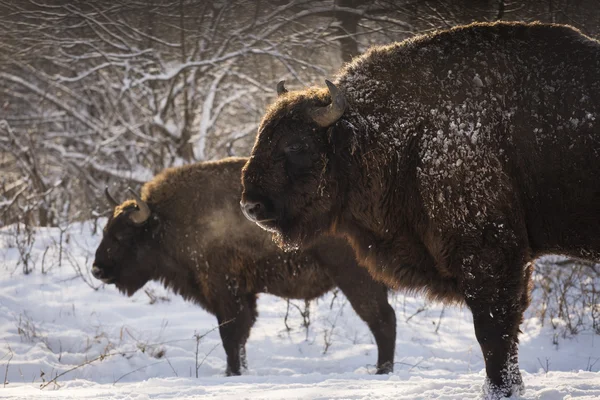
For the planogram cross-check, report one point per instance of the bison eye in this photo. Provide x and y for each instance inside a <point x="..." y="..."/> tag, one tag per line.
<point x="295" y="148"/>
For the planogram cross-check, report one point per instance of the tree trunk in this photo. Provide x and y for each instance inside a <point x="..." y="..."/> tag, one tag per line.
<point x="348" y="28"/>
<point x="186" y="149"/>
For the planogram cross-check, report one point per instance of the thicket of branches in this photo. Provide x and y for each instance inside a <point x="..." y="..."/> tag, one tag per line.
<point x="105" y="92"/>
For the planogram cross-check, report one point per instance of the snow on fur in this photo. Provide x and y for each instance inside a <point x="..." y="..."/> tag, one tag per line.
<point x="461" y="100"/>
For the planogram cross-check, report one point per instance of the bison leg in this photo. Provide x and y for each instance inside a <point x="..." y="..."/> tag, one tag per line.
<point x="235" y="323"/>
<point x="243" y="357"/>
<point x="495" y="282"/>
<point x="496" y="330"/>
<point x="369" y="299"/>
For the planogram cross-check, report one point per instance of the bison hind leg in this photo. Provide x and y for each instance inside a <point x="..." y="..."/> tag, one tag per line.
<point x="243" y="357"/>
<point x="369" y="300"/>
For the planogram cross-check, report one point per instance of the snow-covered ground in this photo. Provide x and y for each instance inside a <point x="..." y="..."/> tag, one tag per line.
<point x="58" y="318"/>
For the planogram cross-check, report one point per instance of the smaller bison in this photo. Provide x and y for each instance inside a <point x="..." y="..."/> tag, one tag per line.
<point x="187" y="232"/>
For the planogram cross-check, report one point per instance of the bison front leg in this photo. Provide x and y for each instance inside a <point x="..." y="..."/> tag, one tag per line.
<point x="235" y="322"/>
<point x="497" y="336"/>
<point x="495" y="278"/>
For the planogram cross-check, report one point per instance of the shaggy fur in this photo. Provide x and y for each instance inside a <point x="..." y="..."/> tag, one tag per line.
<point x="461" y="156"/>
<point x="198" y="243"/>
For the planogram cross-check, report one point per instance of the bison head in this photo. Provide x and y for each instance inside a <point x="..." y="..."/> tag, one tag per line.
<point x="289" y="181"/>
<point x="125" y="256"/>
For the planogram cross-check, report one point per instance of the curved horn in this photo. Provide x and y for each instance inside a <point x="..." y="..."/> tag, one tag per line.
<point x="328" y="115"/>
<point x="110" y="198"/>
<point x="281" y="88"/>
<point x="140" y="216"/>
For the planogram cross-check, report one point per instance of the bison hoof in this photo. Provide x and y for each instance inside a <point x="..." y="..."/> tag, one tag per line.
<point x="385" y="368"/>
<point x="229" y="372"/>
<point x="492" y="391"/>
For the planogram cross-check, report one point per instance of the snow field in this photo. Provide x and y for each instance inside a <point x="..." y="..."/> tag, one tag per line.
<point x="149" y="346"/>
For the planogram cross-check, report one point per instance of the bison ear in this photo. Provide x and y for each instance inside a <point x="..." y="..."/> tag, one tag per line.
<point x="329" y="115"/>
<point x="154" y="224"/>
<point x="342" y="137"/>
<point x="281" y="90"/>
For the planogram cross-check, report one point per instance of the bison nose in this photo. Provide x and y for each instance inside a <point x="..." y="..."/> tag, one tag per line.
<point x="97" y="272"/>
<point x="252" y="209"/>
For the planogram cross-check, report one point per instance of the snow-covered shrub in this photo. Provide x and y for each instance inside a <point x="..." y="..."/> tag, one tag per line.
<point x="566" y="295"/>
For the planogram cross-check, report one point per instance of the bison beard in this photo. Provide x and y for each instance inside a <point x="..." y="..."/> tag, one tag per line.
<point x="457" y="159"/>
<point x="188" y="232"/>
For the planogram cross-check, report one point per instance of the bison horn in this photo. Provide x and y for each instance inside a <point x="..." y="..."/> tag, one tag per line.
<point x="140" y="216"/>
<point x="281" y="88"/>
<point x="328" y="115"/>
<point x="110" y="198"/>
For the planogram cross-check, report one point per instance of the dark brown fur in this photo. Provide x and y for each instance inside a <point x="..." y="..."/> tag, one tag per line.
<point x="198" y="243"/>
<point x="461" y="156"/>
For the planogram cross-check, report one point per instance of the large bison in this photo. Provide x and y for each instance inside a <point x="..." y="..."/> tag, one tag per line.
<point x="188" y="232"/>
<point x="450" y="161"/>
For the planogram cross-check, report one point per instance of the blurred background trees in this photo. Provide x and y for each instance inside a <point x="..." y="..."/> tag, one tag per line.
<point x="109" y="92"/>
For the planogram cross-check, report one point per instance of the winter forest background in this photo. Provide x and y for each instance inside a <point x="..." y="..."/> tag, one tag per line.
<point x="103" y="93"/>
<point x="110" y="92"/>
